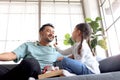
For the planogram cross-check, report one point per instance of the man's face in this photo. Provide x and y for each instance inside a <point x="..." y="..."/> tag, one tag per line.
<point x="47" y="34"/>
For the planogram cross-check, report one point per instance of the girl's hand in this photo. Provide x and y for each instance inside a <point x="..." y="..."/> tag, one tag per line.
<point x="55" y="44"/>
<point x="60" y="58"/>
<point x="71" y="56"/>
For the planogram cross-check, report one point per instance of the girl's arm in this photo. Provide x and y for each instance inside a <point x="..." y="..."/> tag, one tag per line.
<point x="71" y="56"/>
<point x="66" y="51"/>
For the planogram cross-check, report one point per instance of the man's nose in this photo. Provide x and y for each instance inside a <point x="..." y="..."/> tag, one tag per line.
<point x="51" y="34"/>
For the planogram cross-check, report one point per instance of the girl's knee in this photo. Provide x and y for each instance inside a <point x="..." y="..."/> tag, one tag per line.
<point x="65" y="59"/>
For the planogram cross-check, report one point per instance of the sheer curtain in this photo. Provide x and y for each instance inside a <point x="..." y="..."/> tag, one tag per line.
<point x="18" y="24"/>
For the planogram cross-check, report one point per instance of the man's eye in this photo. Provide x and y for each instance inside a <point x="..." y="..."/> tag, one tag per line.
<point x="48" y="30"/>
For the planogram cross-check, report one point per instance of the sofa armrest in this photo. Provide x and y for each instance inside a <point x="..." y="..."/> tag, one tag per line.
<point x="8" y="66"/>
<point x="110" y="64"/>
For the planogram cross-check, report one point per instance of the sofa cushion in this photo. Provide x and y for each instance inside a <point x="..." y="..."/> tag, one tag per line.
<point x="110" y="64"/>
<point x="4" y="68"/>
<point x="103" y="76"/>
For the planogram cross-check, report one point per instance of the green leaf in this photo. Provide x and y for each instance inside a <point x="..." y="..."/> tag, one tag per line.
<point x="67" y="36"/>
<point x="71" y="41"/>
<point x="88" y="20"/>
<point x="98" y="19"/>
<point x="93" y="43"/>
<point x="100" y="29"/>
<point x="66" y="42"/>
<point x="94" y="25"/>
<point x="102" y="43"/>
<point x="99" y="35"/>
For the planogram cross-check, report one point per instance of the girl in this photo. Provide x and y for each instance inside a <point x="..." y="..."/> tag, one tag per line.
<point x="83" y="62"/>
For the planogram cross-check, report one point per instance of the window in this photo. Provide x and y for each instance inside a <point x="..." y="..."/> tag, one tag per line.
<point x="18" y="24"/>
<point x="110" y="10"/>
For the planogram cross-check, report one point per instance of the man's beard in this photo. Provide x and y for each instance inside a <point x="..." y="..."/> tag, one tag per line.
<point x="49" y="40"/>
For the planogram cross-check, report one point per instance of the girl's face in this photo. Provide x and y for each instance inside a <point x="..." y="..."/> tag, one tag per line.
<point x="76" y="35"/>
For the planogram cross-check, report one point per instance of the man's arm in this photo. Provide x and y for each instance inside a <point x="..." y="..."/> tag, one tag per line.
<point x="7" y="56"/>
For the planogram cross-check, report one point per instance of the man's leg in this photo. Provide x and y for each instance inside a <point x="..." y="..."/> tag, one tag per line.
<point x="4" y="68"/>
<point x="75" y="66"/>
<point x="27" y="68"/>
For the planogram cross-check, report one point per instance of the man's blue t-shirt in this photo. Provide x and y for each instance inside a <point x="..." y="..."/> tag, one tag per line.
<point x="45" y="55"/>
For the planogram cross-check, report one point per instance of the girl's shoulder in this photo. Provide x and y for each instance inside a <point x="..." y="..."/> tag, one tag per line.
<point x="86" y="48"/>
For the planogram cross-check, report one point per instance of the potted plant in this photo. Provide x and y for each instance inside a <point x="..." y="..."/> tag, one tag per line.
<point x="97" y="38"/>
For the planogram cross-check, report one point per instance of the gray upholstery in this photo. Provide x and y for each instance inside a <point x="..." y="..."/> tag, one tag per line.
<point x="104" y="76"/>
<point x="110" y="64"/>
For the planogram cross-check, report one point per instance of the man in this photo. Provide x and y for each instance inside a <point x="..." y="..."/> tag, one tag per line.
<point x="35" y="55"/>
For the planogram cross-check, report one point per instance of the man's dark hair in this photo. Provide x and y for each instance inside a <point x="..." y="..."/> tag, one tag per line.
<point x="43" y="26"/>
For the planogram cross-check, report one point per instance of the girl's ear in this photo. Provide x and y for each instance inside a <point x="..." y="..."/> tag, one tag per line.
<point x="79" y="32"/>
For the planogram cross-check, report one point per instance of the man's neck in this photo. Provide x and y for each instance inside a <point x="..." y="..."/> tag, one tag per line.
<point x="44" y="43"/>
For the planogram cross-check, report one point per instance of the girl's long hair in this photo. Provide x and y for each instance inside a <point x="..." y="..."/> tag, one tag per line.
<point x="85" y="32"/>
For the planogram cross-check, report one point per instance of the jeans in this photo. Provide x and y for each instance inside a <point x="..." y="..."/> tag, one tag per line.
<point x="74" y="66"/>
<point x="27" y="68"/>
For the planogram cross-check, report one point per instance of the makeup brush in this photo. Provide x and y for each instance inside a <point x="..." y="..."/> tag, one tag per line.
<point x="56" y="40"/>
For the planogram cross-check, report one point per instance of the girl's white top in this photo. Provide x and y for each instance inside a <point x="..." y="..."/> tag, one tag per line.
<point x="86" y="56"/>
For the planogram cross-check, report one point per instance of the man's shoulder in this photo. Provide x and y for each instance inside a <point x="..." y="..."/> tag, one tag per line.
<point x="30" y="43"/>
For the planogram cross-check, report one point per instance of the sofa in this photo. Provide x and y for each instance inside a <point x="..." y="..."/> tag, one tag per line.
<point x="109" y="67"/>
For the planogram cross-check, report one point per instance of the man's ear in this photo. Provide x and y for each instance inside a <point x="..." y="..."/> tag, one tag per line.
<point x="40" y="32"/>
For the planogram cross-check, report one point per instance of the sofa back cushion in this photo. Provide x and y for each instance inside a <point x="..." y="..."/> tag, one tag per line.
<point x="110" y="64"/>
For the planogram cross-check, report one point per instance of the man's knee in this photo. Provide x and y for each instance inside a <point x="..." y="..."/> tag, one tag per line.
<point x="31" y="64"/>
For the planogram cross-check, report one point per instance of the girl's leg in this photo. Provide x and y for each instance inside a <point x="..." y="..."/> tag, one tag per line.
<point x="75" y="66"/>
